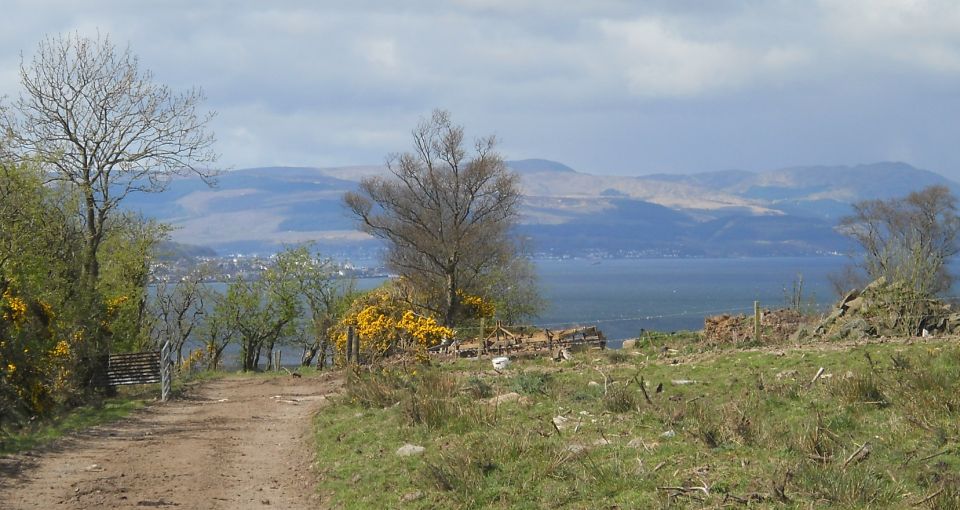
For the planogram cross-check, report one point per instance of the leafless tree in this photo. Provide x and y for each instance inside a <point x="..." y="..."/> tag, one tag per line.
<point x="909" y="240"/>
<point x="99" y="122"/>
<point x="180" y="311"/>
<point x="446" y="215"/>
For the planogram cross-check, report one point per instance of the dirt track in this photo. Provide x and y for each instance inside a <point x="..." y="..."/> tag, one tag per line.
<point x="230" y="443"/>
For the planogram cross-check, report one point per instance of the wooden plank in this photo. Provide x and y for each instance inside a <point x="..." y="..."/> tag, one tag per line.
<point x="133" y="368"/>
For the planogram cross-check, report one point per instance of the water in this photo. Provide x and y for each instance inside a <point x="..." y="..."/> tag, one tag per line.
<point x="623" y="296"/>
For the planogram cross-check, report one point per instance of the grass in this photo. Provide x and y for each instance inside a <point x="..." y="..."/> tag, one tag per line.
<point x="880" y="428"/>
<point x="34" y="435"/>
<point x="128" y="399"/>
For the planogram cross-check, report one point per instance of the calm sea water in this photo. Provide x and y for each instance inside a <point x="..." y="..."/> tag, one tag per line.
<point x="624" y="296"/>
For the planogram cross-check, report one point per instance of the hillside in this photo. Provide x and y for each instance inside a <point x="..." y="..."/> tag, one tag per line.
<point x="788" y="211"/>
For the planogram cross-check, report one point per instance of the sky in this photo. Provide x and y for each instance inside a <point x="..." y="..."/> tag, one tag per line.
<point x="605" y="86"/>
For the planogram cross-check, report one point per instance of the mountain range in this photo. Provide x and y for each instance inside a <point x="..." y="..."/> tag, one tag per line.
<point x="784" y="212"/>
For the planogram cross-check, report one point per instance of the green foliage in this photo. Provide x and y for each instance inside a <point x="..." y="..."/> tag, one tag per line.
<point x="531" y="383"/>
<point x="54" y="327"/>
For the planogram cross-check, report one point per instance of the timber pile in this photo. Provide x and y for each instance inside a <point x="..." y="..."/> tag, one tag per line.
<point x="503" y="341"/>
<point x="774" y="324"/>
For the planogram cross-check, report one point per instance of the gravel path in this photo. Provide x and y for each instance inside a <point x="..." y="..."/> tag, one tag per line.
<point x="232" y="443"/>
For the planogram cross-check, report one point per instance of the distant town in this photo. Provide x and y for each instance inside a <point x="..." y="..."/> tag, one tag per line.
<point x="249" y="267"/>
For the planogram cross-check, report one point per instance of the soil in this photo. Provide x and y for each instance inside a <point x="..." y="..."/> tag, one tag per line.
<point x="232" y="443"/>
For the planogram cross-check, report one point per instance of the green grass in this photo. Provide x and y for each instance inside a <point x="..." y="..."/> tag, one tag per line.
<point x="34" y="435"/>
<point x="128" y="399"/>
<point x="752" y="428"/>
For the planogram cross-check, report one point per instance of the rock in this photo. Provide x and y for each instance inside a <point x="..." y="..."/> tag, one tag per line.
<point x="682" y="382"/>
<point x="575" y="448"/>
<point x="410" y="497"/>
<point x="601" y="442"/>
<point x="593" y="384"/>
<point x="668" y="434"/>
<point x="505" y="398"/>
<point x="802" y="333"/>
<point x="855" y="329"/>
<point x="630" y="344"/>
<point x="854" y="305"/>
<point x="409" y="450"/>
<point x="792" y="374"/>
<point x="561" y="421"/>
<point x="848" y="297"/>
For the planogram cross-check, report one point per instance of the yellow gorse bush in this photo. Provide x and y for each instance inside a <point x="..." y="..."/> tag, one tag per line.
<point x="476" y="306"/>
<point x="385" y="325"/>
<point x="14" y="308"/>
<point x="114" y="303"/>
<point x="424" y="330"/>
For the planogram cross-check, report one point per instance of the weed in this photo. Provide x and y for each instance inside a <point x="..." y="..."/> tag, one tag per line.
<point x="618" y="356"/>
<point x="861" y="389"/>
<point x="620" y="398"/>
<point x="478" y="388"/>
<point x="531" y="383"/>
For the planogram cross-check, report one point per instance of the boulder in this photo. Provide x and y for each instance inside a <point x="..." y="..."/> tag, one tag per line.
<point x="409" y="450"/>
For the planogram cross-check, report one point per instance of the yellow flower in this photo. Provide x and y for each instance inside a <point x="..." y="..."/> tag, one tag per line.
<point x="16" y="308"/>
<point x="61" y="350"/>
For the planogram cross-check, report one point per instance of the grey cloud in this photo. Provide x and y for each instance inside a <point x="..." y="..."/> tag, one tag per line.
<point x="608" y="86"/>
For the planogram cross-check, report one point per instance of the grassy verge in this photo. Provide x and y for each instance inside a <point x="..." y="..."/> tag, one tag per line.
<point x="128" y="399"/>
<point x="111" y="409"/>
<point x="878" y="428"/>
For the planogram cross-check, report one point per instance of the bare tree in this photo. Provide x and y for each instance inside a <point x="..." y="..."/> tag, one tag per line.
<point x="97" y="121"/>
<point x="446" y="216"/>
<point x="180" y="311"/>
<point x="908" y="240"/>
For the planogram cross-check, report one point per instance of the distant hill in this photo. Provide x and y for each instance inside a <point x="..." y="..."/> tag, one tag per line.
<point x="527" y="166"/>
<point x="789" y="211"/>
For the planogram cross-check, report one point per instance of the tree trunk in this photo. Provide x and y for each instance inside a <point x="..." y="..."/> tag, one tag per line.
<point x="308" y="355"/>
<point x="451" y="311"/>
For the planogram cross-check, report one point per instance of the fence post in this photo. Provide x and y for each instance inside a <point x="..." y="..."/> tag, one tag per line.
<point x="483" y="335"/>
<point x="356" y="348"/>
<point x="756" y="321"/>
<point x="165" y="371"/>
<point x="349" y="343"/>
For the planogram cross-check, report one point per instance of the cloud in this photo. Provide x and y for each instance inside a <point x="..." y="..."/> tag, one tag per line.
<point x="660" y="61"/>
<point x="381" y="52"/>
<point x="918" y="34"/>
<point x="604" y="85"/>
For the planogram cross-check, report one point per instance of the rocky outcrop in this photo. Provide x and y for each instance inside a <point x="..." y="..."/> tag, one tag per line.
<point x="883" y="309"/>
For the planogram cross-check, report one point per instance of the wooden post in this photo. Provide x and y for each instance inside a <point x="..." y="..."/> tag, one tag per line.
<point x="483" y="332"/>
<point x="756" y="321"/>
<point x="356" y="348"/>
<point x="349" y="343"/>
